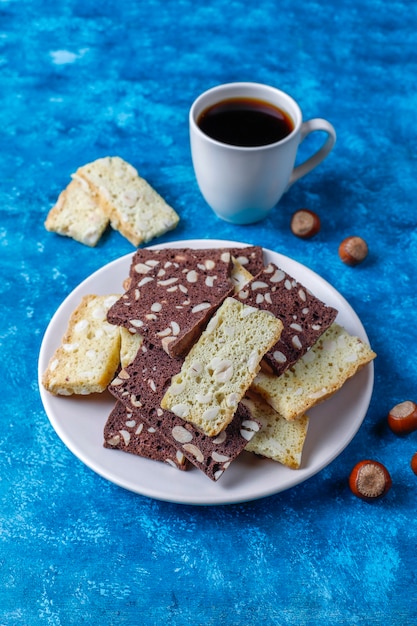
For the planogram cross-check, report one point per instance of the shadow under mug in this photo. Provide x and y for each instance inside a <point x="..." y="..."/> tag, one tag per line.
<point x="243" y="184"/>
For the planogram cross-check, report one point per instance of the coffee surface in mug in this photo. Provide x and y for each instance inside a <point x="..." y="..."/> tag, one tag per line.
<point x="245" y="122"/>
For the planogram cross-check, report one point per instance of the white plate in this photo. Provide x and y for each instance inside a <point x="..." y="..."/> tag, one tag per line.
<point x="79" y="421"/>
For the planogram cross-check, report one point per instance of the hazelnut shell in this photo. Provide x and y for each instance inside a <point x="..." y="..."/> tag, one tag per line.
<point x="413" y="463"/>
<point x="402" y="418"/>
<point x="370" y="480"/>
<point x="305" y="223"/>
<point x="353" y="250"/>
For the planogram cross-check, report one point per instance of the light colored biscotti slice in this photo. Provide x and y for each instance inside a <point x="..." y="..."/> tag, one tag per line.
<point x="278" y="439"/>
<point x="134" y="208"/>
<point x="239" y="276"/>
<point x="89" y="353"/>
<point x="221" y="366"/>
<point x="333" y="359"/>
<point x="77" y="214"/>
<point x="129" y="346"/>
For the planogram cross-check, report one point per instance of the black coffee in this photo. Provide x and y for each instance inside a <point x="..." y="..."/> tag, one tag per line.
<point x="245" y="122"/>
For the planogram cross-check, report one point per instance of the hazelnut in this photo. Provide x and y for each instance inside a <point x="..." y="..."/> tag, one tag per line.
<point x="305" y="223"/>
<point x="369" y="480"/>
<point x="353" y="250"/>
<point x="414" y="463"/>
<point x="402" y="418"/>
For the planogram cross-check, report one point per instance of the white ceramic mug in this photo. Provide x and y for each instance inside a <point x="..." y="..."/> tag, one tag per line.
<point x="243" y="184"/>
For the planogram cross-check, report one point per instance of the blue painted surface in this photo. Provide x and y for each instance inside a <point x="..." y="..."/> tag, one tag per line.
<point x="87" y="79"/>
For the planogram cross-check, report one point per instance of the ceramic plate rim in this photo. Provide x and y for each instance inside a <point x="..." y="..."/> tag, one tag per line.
<point x="158" y="480"/>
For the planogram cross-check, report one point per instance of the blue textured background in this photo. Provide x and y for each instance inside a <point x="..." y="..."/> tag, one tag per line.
<point x="91" y="78"/>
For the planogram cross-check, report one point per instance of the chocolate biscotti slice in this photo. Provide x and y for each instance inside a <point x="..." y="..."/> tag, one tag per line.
<point x="250" y="257"/>
<point x="221" y="366"/>
<point x="77" y="214"/>
<point x="278" y="439"/>
<point x="129" y="433"/>
<point x="322" y="371"/>
<point x="170" y="303"/>
<point x="145" y="260"/>
<point x="211" y="455"/>
<point x="134" y="208"/>
<point x="148" y="260"/>
<point x="304" y="316"/>
<point x="140" y="387"/>
<point x="88" y="356"/>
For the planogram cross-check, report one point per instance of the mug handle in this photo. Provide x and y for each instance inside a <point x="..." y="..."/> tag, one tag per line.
<point x="312" y="162"/>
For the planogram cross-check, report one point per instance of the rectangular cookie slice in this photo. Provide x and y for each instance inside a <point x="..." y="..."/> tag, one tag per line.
<point x="129" y="433"/>
<point x="250" y="257"/>
<point x="77" y="214"/>
<point x="89" y="353"/>
<point x="221" y="366"/>
<point x="324" y="369"/>
<point x="145" y="260"/>
<point x="134" y="208"/>
<point x="172" y="295"/>
<point x="278" y="439"/>
<point x="304" y="316"/>
<point x="140" y="387"/>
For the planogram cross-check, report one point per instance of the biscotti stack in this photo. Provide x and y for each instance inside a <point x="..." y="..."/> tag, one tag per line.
<point x="141" y="386"/>
<point x="179" y="301"/>
<point x="203" y="316"/>
<point x="110" y="191"/>
<point x="217" y="354"/>
<point x="313" y="358"/>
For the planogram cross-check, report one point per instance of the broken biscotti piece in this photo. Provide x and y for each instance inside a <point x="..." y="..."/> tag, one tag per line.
<point x="88" y="356"/>
<point x="335" y="358"/>
<point x="278" y="439"/>
<point x="134" y="208"/>
<point x="172" y="295"/>
<point x="77" y="214"/>
<point x="304" y="316"/>
<point x="129" y="433"/>
<point x="221" y="366"/>
<point x="240" y="276"/>
<point x="140" y="387"/>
